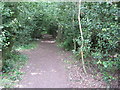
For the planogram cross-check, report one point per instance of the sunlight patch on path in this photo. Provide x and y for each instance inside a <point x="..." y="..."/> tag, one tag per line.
<point x="47" y="41"/>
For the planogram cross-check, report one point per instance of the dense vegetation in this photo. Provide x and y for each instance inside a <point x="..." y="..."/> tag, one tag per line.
<point x="23" y="22"/>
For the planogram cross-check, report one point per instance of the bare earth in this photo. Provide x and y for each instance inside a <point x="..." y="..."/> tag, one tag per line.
<point x="45" y="68"/>
<point x="52" y="67"/>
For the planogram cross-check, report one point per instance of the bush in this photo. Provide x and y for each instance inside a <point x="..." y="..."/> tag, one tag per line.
<point x="11" y="69"/>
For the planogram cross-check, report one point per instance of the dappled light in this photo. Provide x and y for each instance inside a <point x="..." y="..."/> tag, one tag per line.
<point x="35" y="73"/>
<point x="48" y="41"/>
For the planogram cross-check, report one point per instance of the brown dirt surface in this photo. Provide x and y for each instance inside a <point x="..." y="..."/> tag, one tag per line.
<point x="44" y="68"/>
<point x="51" y="67"/>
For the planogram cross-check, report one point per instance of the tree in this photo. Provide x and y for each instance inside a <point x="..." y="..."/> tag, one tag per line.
<point x="82" y="40"/>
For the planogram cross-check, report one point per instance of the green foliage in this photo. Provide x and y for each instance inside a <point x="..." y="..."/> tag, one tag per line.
<point x="15" y="61"/>
<point x="107" y="78"/>
<point x="22" y="22"/>
<point x="100" y="31"/>
<point x="31" y="45"/>
<point x="11" y="73"/>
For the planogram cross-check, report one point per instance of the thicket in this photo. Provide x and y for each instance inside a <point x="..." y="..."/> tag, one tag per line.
<point x="22" y="22"/>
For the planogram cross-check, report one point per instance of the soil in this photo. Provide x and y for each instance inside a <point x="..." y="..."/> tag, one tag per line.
<point x="51" y="67"/>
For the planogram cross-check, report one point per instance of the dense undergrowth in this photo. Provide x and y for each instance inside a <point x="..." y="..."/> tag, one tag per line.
<point x="11" y="70"/>
<point x="22" y="22"/>
<point x="11" y="73"/>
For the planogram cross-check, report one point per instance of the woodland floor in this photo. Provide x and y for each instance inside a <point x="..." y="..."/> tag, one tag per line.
<point x="51" y="67"/>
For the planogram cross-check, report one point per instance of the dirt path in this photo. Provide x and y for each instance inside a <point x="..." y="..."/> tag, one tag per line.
<point x="45" y="68"/>
<point x="52" y="67"/>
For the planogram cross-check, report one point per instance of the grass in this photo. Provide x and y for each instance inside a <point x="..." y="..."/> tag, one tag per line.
<point x="31" y="45"/>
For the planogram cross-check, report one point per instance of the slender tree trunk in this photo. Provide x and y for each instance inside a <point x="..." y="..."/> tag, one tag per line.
<point x="73" y="28"/>
<point x="1" y="42"/>
<point x="82" y="39"/>
<point x="0" y="61"/>
<point x="59" y="34"/>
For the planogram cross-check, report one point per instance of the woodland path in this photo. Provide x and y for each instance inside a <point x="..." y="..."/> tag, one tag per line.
<point x="44" y="68"/>
<point x="51" y="67"/>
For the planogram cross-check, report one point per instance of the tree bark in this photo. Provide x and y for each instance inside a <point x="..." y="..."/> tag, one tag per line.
<point x="59" y="34"/>
<point x="73" y="29"/>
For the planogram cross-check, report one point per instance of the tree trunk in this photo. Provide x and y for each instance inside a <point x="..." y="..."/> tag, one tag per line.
<point x="59" y="34"/>
<point x="73" y="29"/>
<point x="82" y="39"/>
<point x="0" y="61"/>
